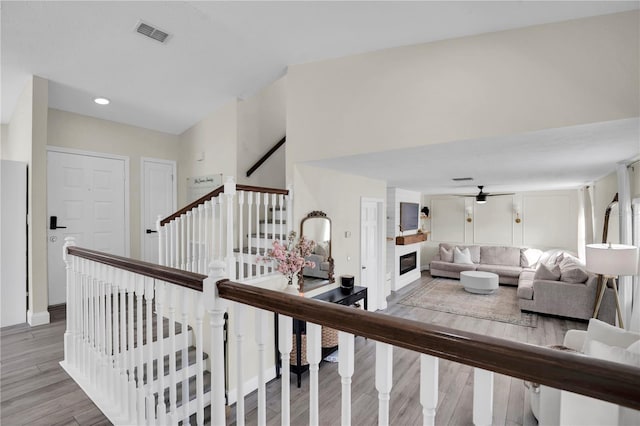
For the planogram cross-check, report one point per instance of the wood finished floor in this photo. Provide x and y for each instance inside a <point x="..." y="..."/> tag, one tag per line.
<point x="35" y="390"/>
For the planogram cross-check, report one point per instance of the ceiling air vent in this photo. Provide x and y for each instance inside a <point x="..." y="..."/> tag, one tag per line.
<point x="462" y="179"/>
<point x="152" y="32"/>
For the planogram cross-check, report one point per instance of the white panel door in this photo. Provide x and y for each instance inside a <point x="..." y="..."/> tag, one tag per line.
<point x="369" y="251"/>
<point x="87" y="196"/>
<point x="158" y="199"/>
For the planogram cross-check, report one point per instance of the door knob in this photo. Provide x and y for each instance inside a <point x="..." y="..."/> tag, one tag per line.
<point x="151" y="231"/>
<point x="364" y="267"/>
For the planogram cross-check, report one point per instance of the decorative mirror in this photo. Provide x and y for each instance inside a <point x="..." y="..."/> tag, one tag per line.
<point x="317" y="227"/>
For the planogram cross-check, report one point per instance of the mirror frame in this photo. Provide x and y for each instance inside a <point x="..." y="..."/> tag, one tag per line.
<point x="317" y="214"/>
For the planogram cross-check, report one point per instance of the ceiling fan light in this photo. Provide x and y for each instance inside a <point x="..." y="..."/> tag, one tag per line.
<point x="481" y="201"/>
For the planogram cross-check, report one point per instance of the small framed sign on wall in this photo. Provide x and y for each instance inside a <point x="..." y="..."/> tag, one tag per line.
<point x="197" y="186"/>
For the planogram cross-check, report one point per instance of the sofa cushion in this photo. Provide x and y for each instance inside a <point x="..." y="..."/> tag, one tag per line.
<point x="446" y="254"/>
<point x="529" y="257"/>
<point x="548" y="273"/>
<point x="500" y="255"/>
<point x="462" y="256"/>
<point x="474" y="250"/>
<point x="452" y="267"/>
<point x="502" y="270"/>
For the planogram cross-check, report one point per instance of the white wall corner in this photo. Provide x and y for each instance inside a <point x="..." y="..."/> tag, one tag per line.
<point x="37" y="318"/>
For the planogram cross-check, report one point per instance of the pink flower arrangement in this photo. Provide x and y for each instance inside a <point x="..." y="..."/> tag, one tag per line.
<point x="291" y="255"/>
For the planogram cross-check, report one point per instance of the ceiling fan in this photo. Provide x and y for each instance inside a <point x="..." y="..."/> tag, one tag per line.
<point x="481" y="197"/>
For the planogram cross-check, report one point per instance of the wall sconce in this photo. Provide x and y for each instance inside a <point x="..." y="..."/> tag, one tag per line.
<point x="469" y="211"/>
<point x="516" y="211"/>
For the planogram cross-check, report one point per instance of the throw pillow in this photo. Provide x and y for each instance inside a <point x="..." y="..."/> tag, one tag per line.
<point x="600" y="350"/>
<point x="529" y="257"/>
<point x="635" y="347"/>
<point x="548" y="273"/>
<point x="462" y="256"/>
<point x="574" y="275"/>
<point x="446" y="255"/>
<point x="608" y="334"/>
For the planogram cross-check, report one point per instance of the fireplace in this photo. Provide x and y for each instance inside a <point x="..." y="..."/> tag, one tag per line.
<point x="408" y="262"/>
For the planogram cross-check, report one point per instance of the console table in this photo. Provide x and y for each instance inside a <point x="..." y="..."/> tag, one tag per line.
<point x="335" y="295"/>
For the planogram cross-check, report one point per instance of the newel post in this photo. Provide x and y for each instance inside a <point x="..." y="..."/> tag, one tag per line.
<point x="216" y="307"/>
<point x="162" y="241"/>
<point x="230" y="192"/>
<point x="69" y="349"/>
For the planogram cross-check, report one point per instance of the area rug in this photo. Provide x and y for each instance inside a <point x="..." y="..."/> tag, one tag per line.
<point x="445" y="295"/>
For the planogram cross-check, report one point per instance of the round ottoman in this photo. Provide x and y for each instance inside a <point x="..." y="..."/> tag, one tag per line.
<point x="479" y="282"/>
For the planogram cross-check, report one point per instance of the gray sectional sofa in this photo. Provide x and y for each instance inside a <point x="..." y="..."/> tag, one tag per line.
<point x="518" y="266"/>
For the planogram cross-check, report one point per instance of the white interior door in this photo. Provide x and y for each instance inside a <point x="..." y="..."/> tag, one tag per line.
<point x="369" y="251"/>
<point x="87" y="196"/>
<point x="158" y="199"/>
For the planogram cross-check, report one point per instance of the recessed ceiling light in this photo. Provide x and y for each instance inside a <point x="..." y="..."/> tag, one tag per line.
<point x="102" y="101"/>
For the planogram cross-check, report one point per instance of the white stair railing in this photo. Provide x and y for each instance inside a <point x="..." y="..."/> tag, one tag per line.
<point x="132" y="325"/>
<point x="234" y="223"/>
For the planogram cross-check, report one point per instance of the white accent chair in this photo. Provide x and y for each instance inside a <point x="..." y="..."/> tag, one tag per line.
<point x="555" y="407"/>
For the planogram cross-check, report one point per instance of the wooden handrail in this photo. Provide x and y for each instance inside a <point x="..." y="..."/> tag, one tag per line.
<point x="266" y="156"/>
<point x="608" y="381"/>
<point x="196" y="203"/>
<point x="219" y="190"/>
<point x="175" y="276"/>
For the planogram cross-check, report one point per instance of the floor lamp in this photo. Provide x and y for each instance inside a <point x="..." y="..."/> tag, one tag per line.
<point x="611" y="261"/>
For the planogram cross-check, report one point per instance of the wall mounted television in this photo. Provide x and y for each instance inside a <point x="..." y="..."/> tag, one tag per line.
<point x="409" y="214"/>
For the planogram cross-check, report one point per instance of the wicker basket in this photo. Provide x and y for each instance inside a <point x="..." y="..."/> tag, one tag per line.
<point x="329" y="340"/>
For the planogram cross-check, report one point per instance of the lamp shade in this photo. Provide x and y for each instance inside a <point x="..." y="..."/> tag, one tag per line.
<point x="612" y="259"/>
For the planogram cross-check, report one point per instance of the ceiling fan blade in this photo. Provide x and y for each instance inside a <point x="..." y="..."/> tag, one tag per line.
<point x="496" y="195"/>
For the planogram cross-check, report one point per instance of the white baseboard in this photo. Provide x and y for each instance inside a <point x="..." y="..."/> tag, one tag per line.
<point x="37" y="318"/>
<point x="251" y="384"/>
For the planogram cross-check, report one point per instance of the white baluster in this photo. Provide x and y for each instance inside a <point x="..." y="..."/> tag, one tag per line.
<point x="139" y="282"/>
<point x="199" y="313"/>
<point x="249" y="252"/>
<point x="205" y="230"/>
<point x="272" y="227"/>
<point x="202" y="243"/>
<point x="92" y="323"/>
<point x="261" y="338"/>
<point x="117" y="340"/>
<point x="428" y="388"/>
<point x="131" y="360"/>
<point x="172" y="244"/>
<point x="84" y="314"/>
<point x="241" y="256"/>
<point x="102" y="320"/>
<point x="239" y="312"/>
<point x="184" y="324"/>
<point x="212" y="246"/>
<point x="482" y="397"/>
<point x="189" y="242"/>
<point x="193" y="236"/>
<point x="109" y="334"/>
<point x="173" y="398"/>
<point x="148" y="348"/>
<point x="69" y="349"/>
<point x="161" y="412"/>
<point x="221" y="245"/>
<point x="183" y="242"/>
<point x="345" y="368"/>
<point x="257" y="232"/>
<point x="384" y="374"/>
<point x="285" y="326"/>
<point x="281" y="225"/>
<point x="265" y="201"/>
<point x="162" y="241"/>
<point x="314" y="355"/>
<point x="216" y="308"/>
